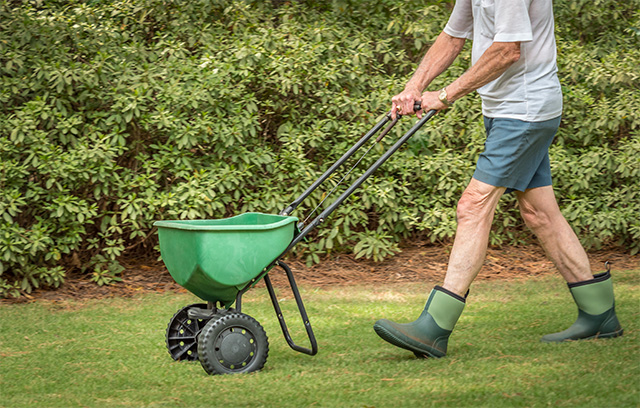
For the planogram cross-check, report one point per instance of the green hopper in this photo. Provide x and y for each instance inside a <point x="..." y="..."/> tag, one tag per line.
<point x="215" y="259"/>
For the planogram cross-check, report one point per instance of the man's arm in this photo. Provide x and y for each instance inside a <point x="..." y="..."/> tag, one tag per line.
<point x="438" y="58"/>
<point x="493" y="63"/>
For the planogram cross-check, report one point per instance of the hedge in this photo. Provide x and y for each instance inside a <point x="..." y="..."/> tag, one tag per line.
<point x="115" y="114"/>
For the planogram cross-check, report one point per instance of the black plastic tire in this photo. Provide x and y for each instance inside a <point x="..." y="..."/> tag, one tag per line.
<point x="233" y="343"/>
<point x="182" y="334"/>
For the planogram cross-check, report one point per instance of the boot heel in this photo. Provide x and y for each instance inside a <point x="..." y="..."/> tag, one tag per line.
<point x="611" y="335"/>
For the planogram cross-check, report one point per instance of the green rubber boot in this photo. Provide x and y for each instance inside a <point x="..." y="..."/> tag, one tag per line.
<point x="596" y="311"/>
<point x="429" y="335"/>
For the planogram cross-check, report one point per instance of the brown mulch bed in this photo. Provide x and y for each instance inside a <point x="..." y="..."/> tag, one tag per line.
<point x="417" y="262"/>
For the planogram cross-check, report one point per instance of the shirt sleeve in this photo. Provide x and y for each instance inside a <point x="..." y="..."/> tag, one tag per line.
<point x="512" y="21"/>
<point x="460" y="24"/>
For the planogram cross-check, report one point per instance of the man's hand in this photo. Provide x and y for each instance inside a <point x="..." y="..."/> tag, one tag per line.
<point x="402" y="103"/>
<point x="431" y="101"/>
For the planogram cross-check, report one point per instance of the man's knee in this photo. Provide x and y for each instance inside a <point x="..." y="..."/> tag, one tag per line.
<point x="477" y="203"/>
<point x="467" y="206"/>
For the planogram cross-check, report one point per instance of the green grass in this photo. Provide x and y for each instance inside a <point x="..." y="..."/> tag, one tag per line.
<point x="111" y="353"/>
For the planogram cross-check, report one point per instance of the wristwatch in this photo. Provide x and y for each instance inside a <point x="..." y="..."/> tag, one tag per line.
<point x="443" y="97"/>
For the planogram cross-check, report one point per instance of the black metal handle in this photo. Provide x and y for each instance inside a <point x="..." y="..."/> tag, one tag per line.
<point x="386" y="119"/>
<point x="417" y="105"/>
<point x="337" y="164"/>
<point x="324" y="214"/>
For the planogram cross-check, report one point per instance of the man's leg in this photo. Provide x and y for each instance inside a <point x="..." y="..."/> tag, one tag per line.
<point x="593" y="295"/>
<point x="429" y="334"/>
<point x="542" y="215"/>
<point x="475" y="215"/>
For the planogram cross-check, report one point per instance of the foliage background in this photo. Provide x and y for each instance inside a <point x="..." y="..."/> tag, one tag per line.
<point x="115" y="114"/>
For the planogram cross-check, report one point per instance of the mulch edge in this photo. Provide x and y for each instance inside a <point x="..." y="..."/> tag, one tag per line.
<point x="418" y="262"/>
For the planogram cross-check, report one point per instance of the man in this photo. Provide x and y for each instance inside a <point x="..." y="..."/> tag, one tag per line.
<point x="514" y="71"/>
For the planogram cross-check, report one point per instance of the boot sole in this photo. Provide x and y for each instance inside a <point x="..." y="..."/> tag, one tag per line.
<point x="420" y="352"/>
<point x="610" y="335"/>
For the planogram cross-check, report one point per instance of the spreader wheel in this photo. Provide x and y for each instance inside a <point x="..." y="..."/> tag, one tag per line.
<point x="182" y="334"/>
<point x="233" y="343"/>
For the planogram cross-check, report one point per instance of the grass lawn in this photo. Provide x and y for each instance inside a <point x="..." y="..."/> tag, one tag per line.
<point x="111" y="353"/>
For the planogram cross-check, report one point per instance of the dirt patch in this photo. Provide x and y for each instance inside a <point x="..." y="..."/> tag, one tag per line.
<point x="418" y="262"/>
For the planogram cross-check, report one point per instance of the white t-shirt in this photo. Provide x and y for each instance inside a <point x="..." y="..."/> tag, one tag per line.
<point x="529" y="90"/>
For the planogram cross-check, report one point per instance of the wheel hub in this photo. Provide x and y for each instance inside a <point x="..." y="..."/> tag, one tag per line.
<point x="235" y="347"/>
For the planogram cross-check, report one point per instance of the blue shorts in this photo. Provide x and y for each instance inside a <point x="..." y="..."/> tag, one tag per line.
<point x="516" y="154"/>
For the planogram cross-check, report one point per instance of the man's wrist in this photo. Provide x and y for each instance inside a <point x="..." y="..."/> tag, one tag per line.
<point x="412" y="88"/>
<point x="443" y="96"/>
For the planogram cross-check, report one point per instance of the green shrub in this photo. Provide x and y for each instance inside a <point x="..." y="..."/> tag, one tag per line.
<point x="116" y="114"/>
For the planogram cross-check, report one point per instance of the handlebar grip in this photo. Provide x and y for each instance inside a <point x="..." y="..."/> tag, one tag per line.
<point x="417" y="105"/>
